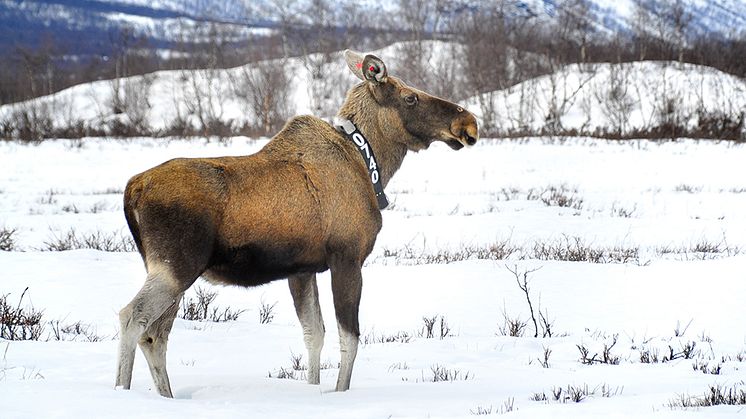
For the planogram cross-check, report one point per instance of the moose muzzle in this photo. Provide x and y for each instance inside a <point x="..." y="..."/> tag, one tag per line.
<point x="464" y="128"/>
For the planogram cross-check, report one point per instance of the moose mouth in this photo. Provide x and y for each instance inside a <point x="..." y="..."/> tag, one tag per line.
<point x="456" y="145"/>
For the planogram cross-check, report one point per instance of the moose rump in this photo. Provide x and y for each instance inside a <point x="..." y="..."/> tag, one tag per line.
<point x="237" y="233"/>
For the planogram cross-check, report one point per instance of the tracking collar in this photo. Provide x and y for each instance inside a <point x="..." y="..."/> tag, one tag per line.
<point x="363" y="146"/>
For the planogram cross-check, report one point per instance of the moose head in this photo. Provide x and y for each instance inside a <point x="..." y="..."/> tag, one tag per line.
<point x="409" y="115"/>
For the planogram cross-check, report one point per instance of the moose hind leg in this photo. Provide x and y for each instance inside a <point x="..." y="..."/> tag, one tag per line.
<point x="153" y="344"/>
<point x="347" y="282"/>
<point x="157" y="295"/>
<point x="305" y="294"/>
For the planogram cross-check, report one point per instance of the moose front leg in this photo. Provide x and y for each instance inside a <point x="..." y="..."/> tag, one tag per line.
<point x="347" y="282"/>
<point x="306" y="298"/>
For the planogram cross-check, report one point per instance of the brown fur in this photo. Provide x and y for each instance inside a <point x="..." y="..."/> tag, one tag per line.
<point x="301" y="205"/>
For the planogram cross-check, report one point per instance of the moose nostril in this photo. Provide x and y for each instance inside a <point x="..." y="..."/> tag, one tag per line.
<point x="468" y="138"/>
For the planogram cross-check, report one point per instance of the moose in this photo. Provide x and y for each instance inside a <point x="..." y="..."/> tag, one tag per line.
<point x="305" y="203"/>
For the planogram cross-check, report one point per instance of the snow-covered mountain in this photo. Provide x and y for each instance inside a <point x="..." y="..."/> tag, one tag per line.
<point x="84" y="26"/>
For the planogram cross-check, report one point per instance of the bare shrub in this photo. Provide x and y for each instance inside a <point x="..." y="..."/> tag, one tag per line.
<point x="680" y="330"/>
<point x="398" y="337"/>
<point x="706" y="367"/>
<point x="429" y="331"/>
<point x="297" y="369"/>
<point x="266" y="314"/>
<point x="606" y="357"/>
<point x="616" y="102"/>
<point x="687" y="188"/>
<point x="544" y="361"/>
<point x="512" y="326"/>
<point x="619" y="211"/>
<point x="576" y="394"/>
<point x="686" y="350"/>
<point x="135" y="103"/>
<point x="507" y="407"/>
<point x="515" y="326"/>
<point x="71" y="240"/>
<point x="398" y="366"/>
<point x="720" y="125"/>
<point x="201" y="309"/>
<point x="297" y="362"/>
<point x="716" y="395"/>
<point x="669" y="114"/>
<point x="286" y="374"/>
<point x="703" y="249"/>
<point x="521" y="278"/>
<point x="574" y="249"/>
<point x="649" y="355"/>
<point x="441" y="374"/>
<point x="31" y="122"/>
<point x="8" y="240"/>
<point x="74" y="331"/>
<point x="499" y="250"/>
<point x="562" y="196"/>
<point x="264" y="87"/>
<point x="20" y="323"/>
<point x="539" y="397"/>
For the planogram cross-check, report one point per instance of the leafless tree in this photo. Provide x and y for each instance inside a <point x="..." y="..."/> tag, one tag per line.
<point x="136" y="102"/>
<point x="679" y="16"/>
<point x="614" y="98"/>
<point x="487" y="56"/>
<point x="205" y="89"/>
<point x="575" y="27"/>
<point x="264" y="87"/>
<point x="419" y="19"/>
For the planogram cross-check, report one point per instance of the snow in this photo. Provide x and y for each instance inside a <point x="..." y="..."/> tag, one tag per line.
<point x="678" y="193"/>
<point x="580" y="95"/>
<point x="661" y="198"/>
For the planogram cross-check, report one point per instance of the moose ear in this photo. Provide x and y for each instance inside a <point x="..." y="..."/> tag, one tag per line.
<point x="369" y="68"/>
<point x="355" y="63"/>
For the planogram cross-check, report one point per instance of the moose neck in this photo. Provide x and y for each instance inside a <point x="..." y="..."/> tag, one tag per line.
<point x="360" y="108"/>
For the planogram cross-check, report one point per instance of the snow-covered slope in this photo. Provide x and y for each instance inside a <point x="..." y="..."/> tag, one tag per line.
<point x="613" y="98"/>
<point x="590" y="99"/>
<point x="171" y="94"/>
<point x="682" y="204"/>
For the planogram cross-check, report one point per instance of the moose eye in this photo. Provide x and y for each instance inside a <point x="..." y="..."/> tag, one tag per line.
<point x="410" y="99"/>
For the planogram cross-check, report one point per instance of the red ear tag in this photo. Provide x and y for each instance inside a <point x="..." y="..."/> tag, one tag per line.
<point x="359" y="65"/>
<point x="372" y="68"/>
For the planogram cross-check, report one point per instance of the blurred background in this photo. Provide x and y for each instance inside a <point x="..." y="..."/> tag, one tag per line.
<point x="607" y="68"/>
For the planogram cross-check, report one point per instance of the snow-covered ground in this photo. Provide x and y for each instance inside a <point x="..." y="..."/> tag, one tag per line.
<point x="678" y="209"/>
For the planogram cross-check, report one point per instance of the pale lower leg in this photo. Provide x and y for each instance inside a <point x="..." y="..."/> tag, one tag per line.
<point x="347" y="285"/>
<point x="155" y="297"/>
<point x="306" y="299"/>
<point x="154" y="343"/>
<point x="348" y="342"/>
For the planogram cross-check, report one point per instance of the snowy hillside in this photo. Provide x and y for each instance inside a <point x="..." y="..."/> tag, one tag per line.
<point x="594" y="99"/>
<point x="171" y="94"/>
<point x="633" y="252"/>
<point x="613" y="98"/>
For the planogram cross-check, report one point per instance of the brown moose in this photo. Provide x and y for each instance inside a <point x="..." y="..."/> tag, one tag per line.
<point x="301" y="205"/>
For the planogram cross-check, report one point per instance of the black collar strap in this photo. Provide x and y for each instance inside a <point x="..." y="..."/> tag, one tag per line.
<point x="363" y="146"/>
